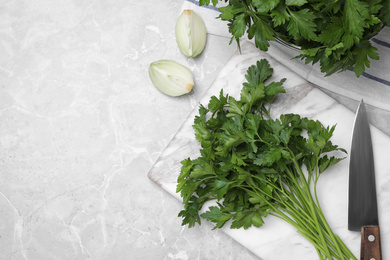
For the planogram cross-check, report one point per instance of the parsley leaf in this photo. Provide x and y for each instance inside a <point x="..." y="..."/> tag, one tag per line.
<point x="262" y="33"/>
<point x="264" y="6"/>
<point x="355" y="13"/>
<point x="216" y="215"/>
<point x="302" y="23"/>
<point x="362" y="53"/>
<point x="327" y="32"/>
<point x="258" y="74"/>
<point x="295" y="2"/>
<point x="239" y="25"/>
<point x="279" y="15"/>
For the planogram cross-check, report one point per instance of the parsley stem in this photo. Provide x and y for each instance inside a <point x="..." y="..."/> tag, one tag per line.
<point x="298" y="208"/>
<point x="298" y="220"/>
<point x="301" y="227"/>
<point x="311" y="205"/>
<point x="335" y="241"/>
<point x="325" y="223"/>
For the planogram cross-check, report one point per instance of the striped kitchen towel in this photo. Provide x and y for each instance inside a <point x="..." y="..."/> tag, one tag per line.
<point x="373" y="85"/>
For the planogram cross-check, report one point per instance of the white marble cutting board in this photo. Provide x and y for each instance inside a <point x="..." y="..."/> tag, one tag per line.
<point x="276" y="239"/>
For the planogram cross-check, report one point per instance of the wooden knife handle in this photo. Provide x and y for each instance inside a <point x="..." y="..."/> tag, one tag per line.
<point x="371" y="243"/>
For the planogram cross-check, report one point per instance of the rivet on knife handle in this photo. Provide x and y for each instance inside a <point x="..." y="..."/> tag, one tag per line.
<point x="371" y="243"/>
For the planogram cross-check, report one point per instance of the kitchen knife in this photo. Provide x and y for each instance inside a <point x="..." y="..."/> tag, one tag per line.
<point x="362" y="202"/>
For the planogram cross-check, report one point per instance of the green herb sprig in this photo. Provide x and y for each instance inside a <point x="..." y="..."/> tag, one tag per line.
<point x="254" y="165"/>
<point x="336" y="34"/>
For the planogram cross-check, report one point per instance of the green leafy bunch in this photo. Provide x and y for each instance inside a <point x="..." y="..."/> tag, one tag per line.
<point x="253" y="165"/>
<point x="334" y="33"/>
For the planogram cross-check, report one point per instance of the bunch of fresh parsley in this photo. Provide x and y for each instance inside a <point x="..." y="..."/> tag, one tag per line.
<point x="334" y="33"/>
<point x="254" y="165"/>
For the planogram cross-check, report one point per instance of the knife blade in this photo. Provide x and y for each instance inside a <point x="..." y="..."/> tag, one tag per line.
<point x="362" y="199"/>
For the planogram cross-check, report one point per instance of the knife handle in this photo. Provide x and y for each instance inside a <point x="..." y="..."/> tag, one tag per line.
<point x="371" y="243"/>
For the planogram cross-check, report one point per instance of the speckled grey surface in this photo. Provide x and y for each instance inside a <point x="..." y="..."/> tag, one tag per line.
<point x="81" y="125"/>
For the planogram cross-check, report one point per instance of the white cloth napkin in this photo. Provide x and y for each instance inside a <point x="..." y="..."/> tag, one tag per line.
<point x="373" y="85"/>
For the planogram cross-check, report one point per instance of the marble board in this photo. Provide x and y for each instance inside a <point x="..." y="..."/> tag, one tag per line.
<point x="276" y="239"/>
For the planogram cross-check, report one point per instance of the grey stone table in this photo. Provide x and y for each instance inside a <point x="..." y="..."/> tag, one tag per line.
<point x="81" y="125"/>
